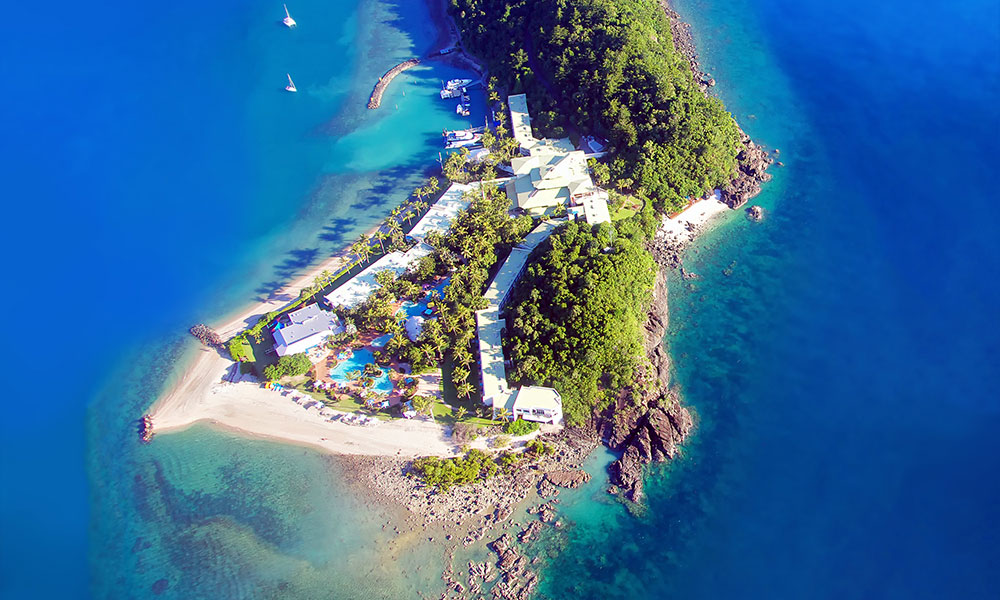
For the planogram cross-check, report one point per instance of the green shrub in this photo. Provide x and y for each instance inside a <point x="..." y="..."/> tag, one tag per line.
<point x="520" y="427"/>
<point x="540" y="448"/>
<point x="444" y="473"/>
<point x="465" y="432"/>
<point x="288" y="366"/>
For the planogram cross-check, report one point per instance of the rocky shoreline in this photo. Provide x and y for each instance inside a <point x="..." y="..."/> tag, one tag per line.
<point x="465" y="515"/>
<point x="654" y="428"/>
<point x="753" y="159"/>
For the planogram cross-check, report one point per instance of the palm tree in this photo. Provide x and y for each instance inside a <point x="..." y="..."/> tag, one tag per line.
<point x="395" y="232"/>
<point x="464" y="358"/>
<point x="362" y="249"/>
<point x="460" y="413"/>
<point x="494" y="96"/>
<point x="465" y="389"/>
<point x="500" y="414"/>
<point x="409" y="216"/>
<point x="433" y="185"/>
<point x="380" y="237"/>
<point x="460" y="374"/>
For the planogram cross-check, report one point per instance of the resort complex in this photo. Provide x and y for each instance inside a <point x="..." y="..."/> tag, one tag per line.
<point x="552" y="173"/>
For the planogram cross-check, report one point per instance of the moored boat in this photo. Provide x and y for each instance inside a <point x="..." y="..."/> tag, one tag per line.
<point x="454" y="88"/>
<point x="471" y="140"/>
<point x="288" y="20"/>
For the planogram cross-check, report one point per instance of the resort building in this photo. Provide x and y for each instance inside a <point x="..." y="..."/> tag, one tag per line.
<point x="355" y="291"/>
<point x="534" y="403"/>
<point x="551" y="174"/>
<point x="490" y="324"/>
<point x="305" y="328"/>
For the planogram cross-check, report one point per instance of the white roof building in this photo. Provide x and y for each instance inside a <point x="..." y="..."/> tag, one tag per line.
<point x="553" y="173"/>
<point x="438" y="218"/>
<point x="534" y="403"/>
<point x="355" y="291"/>
<point x="520" y="124"/>
<point x="309" y="327"/>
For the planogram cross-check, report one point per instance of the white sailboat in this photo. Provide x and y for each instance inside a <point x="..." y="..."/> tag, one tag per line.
<point x="288" y="20"/>
<point x="291" y="85"/>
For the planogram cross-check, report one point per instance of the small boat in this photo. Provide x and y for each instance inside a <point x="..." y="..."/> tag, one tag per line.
<point x="458" y="134"/>
<point x="462" y="110"/>
<point x="462" y="142"/>
<point x="291" y="85"/>
<point x="457" y="83"/>
<point x="453" y="88"/>
<point x="288" y="20"/>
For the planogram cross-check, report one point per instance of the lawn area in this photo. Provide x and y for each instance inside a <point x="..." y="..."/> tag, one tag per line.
<point x="444" y="414"/>
<point x="622" y="213"/>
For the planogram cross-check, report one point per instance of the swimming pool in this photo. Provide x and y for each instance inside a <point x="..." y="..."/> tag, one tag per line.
<point x="381" y="341"/>
<point x="357" y="362"/>
<point x="411" y="309"/>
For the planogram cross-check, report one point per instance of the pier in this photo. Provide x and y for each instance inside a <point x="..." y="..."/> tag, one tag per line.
<point x="383" y="82"/>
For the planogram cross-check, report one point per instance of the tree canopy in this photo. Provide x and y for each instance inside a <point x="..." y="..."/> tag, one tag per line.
<point x="577" y="315"/>
<point x="289" y="365"/>
<point x="609" y="67"/>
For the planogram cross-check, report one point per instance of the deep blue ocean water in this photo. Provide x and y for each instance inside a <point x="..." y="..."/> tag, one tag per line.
<point x="844" y="373"/>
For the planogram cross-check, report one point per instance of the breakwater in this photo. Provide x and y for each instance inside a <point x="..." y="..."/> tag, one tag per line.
<point x="383" y="82"/>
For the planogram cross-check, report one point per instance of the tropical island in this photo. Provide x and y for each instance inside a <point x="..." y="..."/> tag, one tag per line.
<point x="474" y="347"/>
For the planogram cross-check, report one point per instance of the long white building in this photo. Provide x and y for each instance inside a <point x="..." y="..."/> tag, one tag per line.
<point x="537" y="403"/>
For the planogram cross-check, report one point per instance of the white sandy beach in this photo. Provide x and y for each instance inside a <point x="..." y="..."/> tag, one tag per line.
<point x="693" y="218"/>
<point x="255" y="411"/>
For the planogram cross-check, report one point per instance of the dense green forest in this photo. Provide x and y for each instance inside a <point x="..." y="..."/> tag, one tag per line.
<point x="609" y="67"/>
<point x="577" y="315"/>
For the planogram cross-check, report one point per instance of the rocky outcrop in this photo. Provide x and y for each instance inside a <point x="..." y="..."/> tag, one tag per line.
<point x="516" y="581"/>
<point x="567" y="479"/>
<point x="649" y="423"/>
<point x="752" y="172"/>
<point x="206" y="335"/>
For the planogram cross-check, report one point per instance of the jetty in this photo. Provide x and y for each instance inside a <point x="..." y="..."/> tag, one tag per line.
<point x="383" y="82"/>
